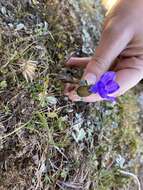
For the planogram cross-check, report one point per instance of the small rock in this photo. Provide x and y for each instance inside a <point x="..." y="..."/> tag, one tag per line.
<point x="51" y="100"/>
<point x="20" y="26"/>
<point x="114" y="125"/>
<point x="66" y="98"/>
<point x="3" y="10"/>
<point x="10" y="25"/>
<point x="120" y="161"/>
<point x="70" y="110"/>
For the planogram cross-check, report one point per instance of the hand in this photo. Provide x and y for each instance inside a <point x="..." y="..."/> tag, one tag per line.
<point x="120" y="49"/>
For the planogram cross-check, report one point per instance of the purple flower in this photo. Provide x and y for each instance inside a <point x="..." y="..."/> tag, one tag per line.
<point x="105" y="86"/>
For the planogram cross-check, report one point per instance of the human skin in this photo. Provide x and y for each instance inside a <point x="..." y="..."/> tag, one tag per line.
<point x="120" y="49"/>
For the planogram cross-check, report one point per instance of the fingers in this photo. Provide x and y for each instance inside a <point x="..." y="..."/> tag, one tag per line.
<point x="70" y="91"/>
<point x="78" y="62"/>
<point x="115" y="38"/>
<point x="92" y="98"/>
<point x="129" y="72"/>
<point x="68" y="88"/>
<point x="75" y="62"/>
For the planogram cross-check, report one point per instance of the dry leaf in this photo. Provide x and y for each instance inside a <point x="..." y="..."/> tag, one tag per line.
<point x="28" y="69"/>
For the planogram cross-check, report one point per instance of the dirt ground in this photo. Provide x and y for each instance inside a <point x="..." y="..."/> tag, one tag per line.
<point x="46" y="141"/>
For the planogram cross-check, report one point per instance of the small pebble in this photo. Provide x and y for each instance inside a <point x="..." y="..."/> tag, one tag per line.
<point x="3" y="10"/>
<point x="20" y="26"/>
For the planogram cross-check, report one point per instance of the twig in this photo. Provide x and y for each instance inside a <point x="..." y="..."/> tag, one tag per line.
<point x="62" y="188"/>
<point x="133" y="176"/>
<point x="58" y="149"/>
<point x="16" y="130"/>
<point x="19" y="54"/>
<point x="72" y="185"/>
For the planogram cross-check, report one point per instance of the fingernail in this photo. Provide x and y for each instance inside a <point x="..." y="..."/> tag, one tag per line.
<point x="90" y="78"/>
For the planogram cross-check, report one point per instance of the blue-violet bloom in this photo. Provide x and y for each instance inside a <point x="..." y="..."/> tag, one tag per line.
<point x="106" y="86"/>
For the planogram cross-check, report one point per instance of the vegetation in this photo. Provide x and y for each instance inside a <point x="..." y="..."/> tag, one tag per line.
<point x="48" y="142"/>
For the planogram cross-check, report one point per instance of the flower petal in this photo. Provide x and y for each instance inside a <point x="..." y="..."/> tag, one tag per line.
<point x="108" y="76"/>
<point x="111" y="87"/>
<point x="103" y="92"/>
<point x="112" y="99"/>
<point x="101" y="89"/>
<point x="93" y="88"/>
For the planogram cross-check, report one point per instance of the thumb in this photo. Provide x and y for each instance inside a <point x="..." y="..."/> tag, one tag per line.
<point x="114" y="39"/>
<point x="90" y="78"/>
